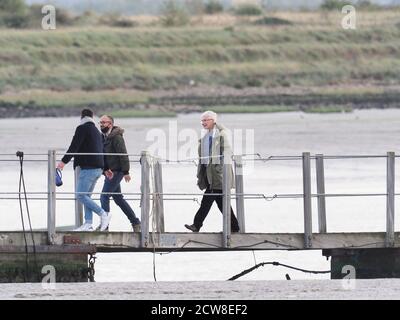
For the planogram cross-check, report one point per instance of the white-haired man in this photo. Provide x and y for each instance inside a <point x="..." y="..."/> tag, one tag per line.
<point x="212" y="148"/>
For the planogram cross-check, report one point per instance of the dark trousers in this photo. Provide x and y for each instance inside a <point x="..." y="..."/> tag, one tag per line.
<point x="205" y="207"/>
<point x="113" y="185"/>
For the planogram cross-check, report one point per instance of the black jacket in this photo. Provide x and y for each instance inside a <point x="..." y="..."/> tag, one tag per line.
<point x="114" y="143"/>
<point x="87" y="139"/>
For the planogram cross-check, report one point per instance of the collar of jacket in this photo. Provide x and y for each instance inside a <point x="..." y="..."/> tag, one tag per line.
<point x="115" y="131"/>
<point x="218" y="129"/>
<point x="86" y="120"/>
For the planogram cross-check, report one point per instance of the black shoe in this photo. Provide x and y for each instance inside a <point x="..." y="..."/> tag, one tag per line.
<point x="192" y="227"/>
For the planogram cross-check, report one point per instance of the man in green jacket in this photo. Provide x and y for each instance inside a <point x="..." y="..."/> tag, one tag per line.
<point x="116" y="168"/>
<point x="213" y="147"/>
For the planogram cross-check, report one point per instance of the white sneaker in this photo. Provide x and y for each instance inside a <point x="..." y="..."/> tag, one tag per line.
<point x="105" y="221"/>
<point x="85" y="227"/>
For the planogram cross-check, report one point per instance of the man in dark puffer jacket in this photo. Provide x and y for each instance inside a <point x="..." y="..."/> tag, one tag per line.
<point x="116" y="168"/>
<point x="87" y="139"/>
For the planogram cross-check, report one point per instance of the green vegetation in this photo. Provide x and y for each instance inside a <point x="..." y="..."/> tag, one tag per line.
<point x="173" y="15"/>
<point x="248" y="10"/>
<point x="288" y="61"/>
<point x="213" y="7"/>
<point x="252" y="109"/>
<point x="328" y="109"/>
<point x="272" y="21"/>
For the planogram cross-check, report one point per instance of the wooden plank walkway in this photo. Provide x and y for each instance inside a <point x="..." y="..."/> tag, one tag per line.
<point x="128" y="241"/>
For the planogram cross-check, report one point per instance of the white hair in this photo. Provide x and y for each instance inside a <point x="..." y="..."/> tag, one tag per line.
<point x="209" y="114"/>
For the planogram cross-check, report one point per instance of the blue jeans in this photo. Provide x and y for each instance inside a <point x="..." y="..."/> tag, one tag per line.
<point x="114" y="185"/>
<point x="86" y="183"/>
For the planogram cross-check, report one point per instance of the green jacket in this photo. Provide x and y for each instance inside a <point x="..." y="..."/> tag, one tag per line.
<point x="114" y="143"/>
<point x="214" y="170"/>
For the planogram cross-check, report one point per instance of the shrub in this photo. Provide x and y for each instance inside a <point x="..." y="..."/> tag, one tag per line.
<point x="248" y="10"/>
<point x="194" y="7"/>
<point x="16" y="21"/>
<point x="213" y="7"/>
<point x="13" y="13"/>
<point x="16" y="7"/>
<point x="173" y="15"/>
<point x="334" y="4"/>
<point x="272" y="21"/>
<point x="115" y="20"/>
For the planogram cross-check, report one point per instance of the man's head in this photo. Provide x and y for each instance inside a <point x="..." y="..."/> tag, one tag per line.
<point x="106" y="123"/>
<point x="208" y="120"/>
<point x="86" y="113"/>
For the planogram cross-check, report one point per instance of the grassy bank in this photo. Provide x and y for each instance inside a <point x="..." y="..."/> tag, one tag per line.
<point x="115" y="68"/>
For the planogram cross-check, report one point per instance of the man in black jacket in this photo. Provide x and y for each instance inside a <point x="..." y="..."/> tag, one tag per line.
<point x="87" y="139"/>
<point x="116" y="168"/>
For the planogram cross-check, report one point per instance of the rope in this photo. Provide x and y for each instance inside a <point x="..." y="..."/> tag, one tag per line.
<point x="21" y="185"/>
<point x="244" y="272"/>
<point x="153" y="220"/>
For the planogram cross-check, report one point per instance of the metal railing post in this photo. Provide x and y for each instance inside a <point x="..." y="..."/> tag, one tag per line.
<point x="226" y="203"/>
<point x="78" y="205"/>
<point x="319" y="164"/>
<point x="307" y="200"/>
<point x="51" y="196"/>
<point x="390" y="179"/>
<point x="145" y="198"/>
<point x="158" y="193"/>
<point x="239" y="192"/>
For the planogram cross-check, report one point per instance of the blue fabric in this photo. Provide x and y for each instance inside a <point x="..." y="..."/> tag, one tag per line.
<point x="58" y="178"/>
<point x="113" y="185"/>
<point x="86" y="183"/>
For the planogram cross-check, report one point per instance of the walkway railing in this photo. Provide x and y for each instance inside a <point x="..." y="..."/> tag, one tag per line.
<point x="152" y="196"/>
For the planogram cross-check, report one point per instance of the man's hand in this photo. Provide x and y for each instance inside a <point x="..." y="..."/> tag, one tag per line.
<point x="109" y="174"/>
<point x="60" y="165"/>
<point x="127" y="178"/>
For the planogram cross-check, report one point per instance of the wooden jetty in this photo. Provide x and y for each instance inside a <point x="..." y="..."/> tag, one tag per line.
<point x="372" y="254"/>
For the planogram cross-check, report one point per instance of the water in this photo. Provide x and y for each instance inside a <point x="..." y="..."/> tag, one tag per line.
<point x="360" y="132"/>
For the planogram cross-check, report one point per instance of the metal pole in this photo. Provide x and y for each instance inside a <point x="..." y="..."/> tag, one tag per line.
<point x="239" y="192"/>
<point x="307" y="200"/>
<point x="390" y="178"/>
<point x="51" y="197"/>
<point x="158" y="190"/>
<point x="145" y="199"/>
<point x="319" y="162"/>
<point x="78" y="205"/>
<point x="226" y="204"/>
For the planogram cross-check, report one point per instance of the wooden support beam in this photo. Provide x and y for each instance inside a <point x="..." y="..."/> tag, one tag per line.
<point x="307" y="200"/>
<point x="226" y="203"/>
<point x="145" y="198"/>
<point x="78" y="205"/>
<point x="390" y="179"/>
<point x="51" y="196"/>
<point x="319" y="163"/>
<point x="239" y="193"/>
<point x="158" y="193"/>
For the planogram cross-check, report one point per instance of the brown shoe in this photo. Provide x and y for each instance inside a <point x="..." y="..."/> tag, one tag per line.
<point x="137" y="227"/>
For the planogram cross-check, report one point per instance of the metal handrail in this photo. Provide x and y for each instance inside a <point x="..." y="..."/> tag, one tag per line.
<point x="158" y="196"/>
